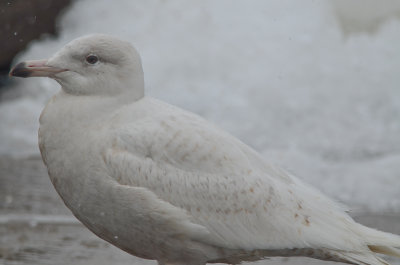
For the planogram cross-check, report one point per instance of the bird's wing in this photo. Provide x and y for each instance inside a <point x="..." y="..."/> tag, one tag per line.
<point x="224" y="186"/>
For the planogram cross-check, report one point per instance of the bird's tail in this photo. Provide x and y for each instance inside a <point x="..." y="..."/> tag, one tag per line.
<point x="381" y="242"/>
<point x="361" y="258"/>
<point x="377" y="242"/>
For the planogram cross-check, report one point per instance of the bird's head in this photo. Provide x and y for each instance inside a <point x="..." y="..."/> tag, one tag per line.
<point x="91" y="65"/>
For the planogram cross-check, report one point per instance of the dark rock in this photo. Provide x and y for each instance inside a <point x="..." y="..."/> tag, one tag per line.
<point x="22" y="21"/>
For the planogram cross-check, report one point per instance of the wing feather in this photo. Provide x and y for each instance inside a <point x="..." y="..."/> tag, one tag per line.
<point x="224" y="186"/>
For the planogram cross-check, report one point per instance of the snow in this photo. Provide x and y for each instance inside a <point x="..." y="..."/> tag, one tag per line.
<point x="328" y="102"/>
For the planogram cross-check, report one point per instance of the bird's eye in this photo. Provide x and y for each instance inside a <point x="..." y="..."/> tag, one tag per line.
<point x="92" y="59"/>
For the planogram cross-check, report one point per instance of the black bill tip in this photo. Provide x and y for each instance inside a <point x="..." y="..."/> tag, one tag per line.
<point x="20" y="70"/>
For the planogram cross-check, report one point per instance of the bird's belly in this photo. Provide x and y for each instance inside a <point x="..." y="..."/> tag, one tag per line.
<point x="95" y="202"/>
<point x="99" y="212"/>
<point x="136" y="235"/>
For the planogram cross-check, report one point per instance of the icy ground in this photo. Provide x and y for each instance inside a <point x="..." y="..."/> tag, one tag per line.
<point x="36" y="228"/>
<point x="283" y="76"/>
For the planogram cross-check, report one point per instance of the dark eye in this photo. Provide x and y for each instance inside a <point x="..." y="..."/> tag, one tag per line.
<point x="92" y="59"/>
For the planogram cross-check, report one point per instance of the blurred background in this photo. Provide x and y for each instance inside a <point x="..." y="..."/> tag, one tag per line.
<point x="314" y="86"/>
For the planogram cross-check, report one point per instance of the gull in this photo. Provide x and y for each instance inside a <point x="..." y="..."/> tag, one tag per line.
<point x="162" y="183"/>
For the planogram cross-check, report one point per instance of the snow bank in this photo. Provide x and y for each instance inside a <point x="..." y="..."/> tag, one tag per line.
<point x="280" y="75"/>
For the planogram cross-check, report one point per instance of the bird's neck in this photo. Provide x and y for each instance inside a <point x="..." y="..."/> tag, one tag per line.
<point x="77" y="109"/>
<point x="68" y="117"/>
<point x="123" y="90"/>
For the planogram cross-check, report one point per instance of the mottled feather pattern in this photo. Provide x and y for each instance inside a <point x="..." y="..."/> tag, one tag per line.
<point x="221" y="185"/>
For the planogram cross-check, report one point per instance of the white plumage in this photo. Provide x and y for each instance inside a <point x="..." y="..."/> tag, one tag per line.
<point x="162" y="183"/>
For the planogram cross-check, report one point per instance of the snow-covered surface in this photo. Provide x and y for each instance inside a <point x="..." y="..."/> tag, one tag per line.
<point x="280" y="75"/>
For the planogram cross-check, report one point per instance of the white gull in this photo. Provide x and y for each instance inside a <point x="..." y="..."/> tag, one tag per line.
<point x="163" y="183"/>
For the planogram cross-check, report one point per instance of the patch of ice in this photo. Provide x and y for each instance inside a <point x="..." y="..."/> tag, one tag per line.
<point x="36" y="219"/>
